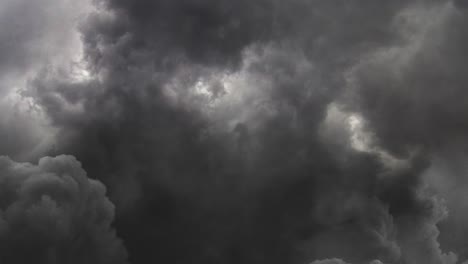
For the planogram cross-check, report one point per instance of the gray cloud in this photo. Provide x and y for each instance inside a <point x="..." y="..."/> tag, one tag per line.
<point x="53" y="213"/>
<point x="329" y="261"/>
<point x="418" y="82"/>
<point x="210" y="123"/>
<point x="412" y="94"/>
<point x="34" y="35"/>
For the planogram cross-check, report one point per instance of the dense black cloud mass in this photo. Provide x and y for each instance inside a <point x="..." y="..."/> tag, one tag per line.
<point x="256" y="131"/>
<point x="52" y="213"/>
<point x="418" y="82"/>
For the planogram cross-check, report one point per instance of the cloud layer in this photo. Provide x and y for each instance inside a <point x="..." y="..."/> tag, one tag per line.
<point x="253" y="131"/>
<point x="53" y="213"/>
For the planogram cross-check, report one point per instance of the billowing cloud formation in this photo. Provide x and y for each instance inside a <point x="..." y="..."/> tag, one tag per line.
<point x="412" y="92"/>
<point x="33" y="36"/>
<point x="53" y="213"/>
<point x="418" y="81"/>
<point x="267" y="131"/>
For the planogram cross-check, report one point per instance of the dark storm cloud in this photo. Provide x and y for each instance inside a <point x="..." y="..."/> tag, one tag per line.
<point x="216" y="32"/>
<point x="33" y="35"/>
<point x="413" y="94"/>
<point x="52" y="213"/>
<point x="329" y="261"/>
<point x="209" y="31"/>
<point x="418" y="83"/>
<point x="255" y="182"/>
<point x="447" y="177"/>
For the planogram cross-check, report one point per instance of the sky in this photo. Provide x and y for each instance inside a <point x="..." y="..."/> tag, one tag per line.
<point x="228" y="132"/>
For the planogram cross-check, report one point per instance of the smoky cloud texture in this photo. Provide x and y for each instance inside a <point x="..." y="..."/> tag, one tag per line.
<point x="261" y="131"/>
<point x="53" y="213"/>
<point x="418" y="82"/>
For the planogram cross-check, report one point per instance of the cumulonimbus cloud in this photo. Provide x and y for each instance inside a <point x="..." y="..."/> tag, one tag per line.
<point x="222" y="130"/>
<point x="53" y="213"/>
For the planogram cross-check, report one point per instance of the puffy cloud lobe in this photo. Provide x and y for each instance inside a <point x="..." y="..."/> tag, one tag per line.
<point x="53" y="213"/>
